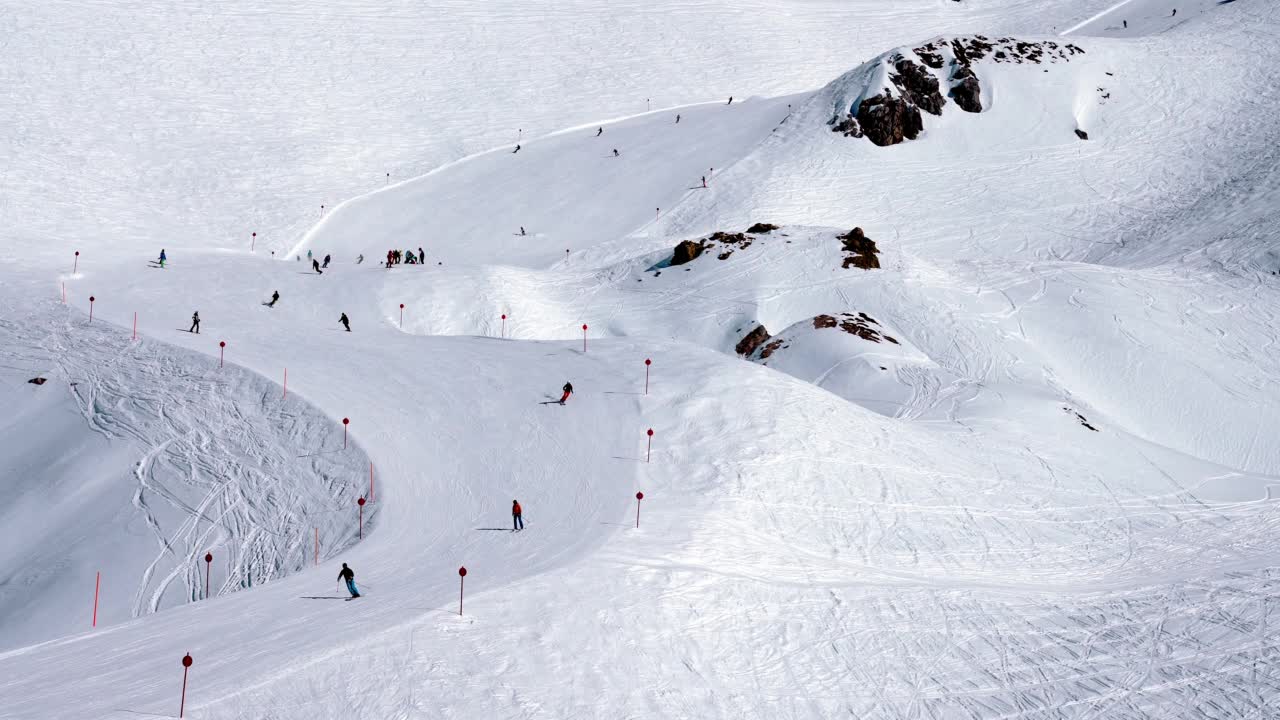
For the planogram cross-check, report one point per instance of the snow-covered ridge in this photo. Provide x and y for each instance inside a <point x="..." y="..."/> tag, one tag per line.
<point x="882" y="100"/>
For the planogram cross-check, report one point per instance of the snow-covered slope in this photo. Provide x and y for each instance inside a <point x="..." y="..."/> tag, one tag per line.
<point x="1059" y="504"/>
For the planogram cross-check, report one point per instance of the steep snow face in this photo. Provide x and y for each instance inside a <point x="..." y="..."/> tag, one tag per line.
<point x="135" y="459"/>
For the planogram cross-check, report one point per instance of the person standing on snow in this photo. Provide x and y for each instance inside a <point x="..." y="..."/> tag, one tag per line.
<point x="522" y="231"/>
<point x="422" y="257"/>
<point x="360" y="258"/>
<point x="517" y="516"/>
<point x="615" y="152"/>
<point x="568" y="390"/>
<point x="704" y="181"/>
<point x="275" y="295"/>
<point x="345" y="322"/>
<point x="349" y="575"/>
<point x="308" y="254"/>
<point x="315" y="265"/>
<point x="162" y="257"/>
<point x="326" y="262"/>
<point x="195" y="322"/>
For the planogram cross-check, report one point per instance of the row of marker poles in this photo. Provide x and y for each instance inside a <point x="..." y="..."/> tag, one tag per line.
<point x="462" y="584"/>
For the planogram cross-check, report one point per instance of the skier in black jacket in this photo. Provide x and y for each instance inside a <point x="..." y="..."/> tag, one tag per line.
<point x="349" y="575"/>
<point x="195" y="322"/>
<point x="568" y="390"/>
<point x="345" y="322"/>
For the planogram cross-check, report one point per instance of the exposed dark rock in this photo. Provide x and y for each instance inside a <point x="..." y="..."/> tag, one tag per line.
<point x="37" y="381"/>
<point x="771" y="347"/>
<point x="848" y="126"/>
<point x="861" y="250"/>
<point x="751" y="341"/>
<point x="1082" y="134"/>
<point x="860" y="325"/>
<point x="918" y="86"/>
<point x="687" y="251"/>
<point x="1080" y="418"/>
<point x="966" y="91"/>
<point x="761" y="228"/>
<point x="887" y="120"/>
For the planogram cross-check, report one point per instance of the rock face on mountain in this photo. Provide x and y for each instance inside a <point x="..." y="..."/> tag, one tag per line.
<point x="686" y="251"/>
<point x="754" y="339"/>
<point x="860" y="250"/>
<point x="901" y="86"/>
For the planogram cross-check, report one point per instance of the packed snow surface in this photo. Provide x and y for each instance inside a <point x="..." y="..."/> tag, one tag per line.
<point x="1021" y="465"/>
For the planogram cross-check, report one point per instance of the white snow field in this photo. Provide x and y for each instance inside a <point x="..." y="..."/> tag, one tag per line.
<point x="1024" y="466"/>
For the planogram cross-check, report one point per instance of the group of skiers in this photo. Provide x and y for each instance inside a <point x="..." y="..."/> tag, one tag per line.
<point x="395" y="257"/>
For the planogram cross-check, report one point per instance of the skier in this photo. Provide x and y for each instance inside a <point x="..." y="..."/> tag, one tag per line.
<point x="195" y="322"/>
<point x="568" y="390"/>
<point x="615" y="152"/>
<point x="326" y="262"/>
<point x="730" y="100"/>
<point x="275" y="295"/>
<point x="521" y="231"/>
<point x="513" y="152"/>
<point x="677" y="118"/>
<point x="517" y="522"/>
<point x="162" y="257"/>
<point x="1126" y="24"/>
<point x="360" y="258"/>
<point x="308" y="254"/>
<point x="599" y="132"/>
<point x="349" y="575"/>
<point x="704" y="181"/>
<point x="345" y="322"/>
<point x="315" y="265"/>
<point x="422" y="257"/>
<point x="1175" y="13"/>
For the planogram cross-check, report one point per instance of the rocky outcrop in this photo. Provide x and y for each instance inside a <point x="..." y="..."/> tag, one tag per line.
<point x="891" y="114"/>
<point x="860" y="250"/>
<point x="966" y="91"/>
<point x="887" y="120"/>
<point x="860" y="325"/>
<point x="686" y="252"/>
<point x="751" y="341"/>
<point x="1082" y="134"/>
<point x="761" y="229"/>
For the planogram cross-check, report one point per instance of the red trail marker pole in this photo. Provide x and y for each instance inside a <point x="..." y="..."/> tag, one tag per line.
<point x="345" y="423"/>
<point x="639" y="497"/>
<point x="286" y="384"/>
<point x="462" y="579"/>
<point x="657" y="213"/>
<point x="97" y="583"/>
<point x="648" y="452"/>
<point x="360" y="502"/>
<point x="504" y="326"/>
<point x="584" y="337"/>
<point x="222" y="351"/>
<point x="208" y="563"/>
<point x="401" y="316"/>
<point x="253" y="241"/>
<point x="135" y="326"/>
<point x="76" y="264"/>
<point x="90" y="308"/>
<point x="186" y="665"/>
<point x="647" y="363"/>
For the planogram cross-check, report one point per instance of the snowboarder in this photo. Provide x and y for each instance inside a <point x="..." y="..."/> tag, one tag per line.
<point x="360" y="258"/>
<point x="345" y="322"/>
<point x="275" y="295"/>
<point x="568" y="390"/>
<point x="513" y="152"/>
<point x="599" y="132"/>
<point x="730" y="100"/>
<point x="349" y="575"/>
<point x="615" y="152"/>
<point x="315" y="265"/>
<point x="195" y="322"/>
<point x="521" y="231"/>
<point x="517" y="521"/>
<point x="326" y="262"/>
<point x="162" y="257"/>
<point x="677" y="118"/>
